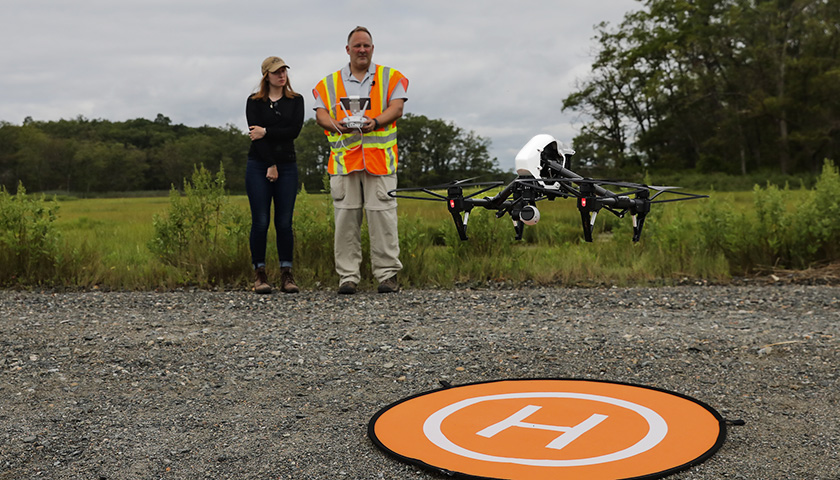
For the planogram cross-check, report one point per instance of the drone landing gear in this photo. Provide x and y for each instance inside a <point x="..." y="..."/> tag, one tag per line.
<point x="519" y="228"/>
<point x="588" y="206"/>
<point x="638" y="223"/>
<point x="639" y="211"/>
<point x="456" y="205"/>
<point x="460" y="223"/>
<point x="587" y="218"/>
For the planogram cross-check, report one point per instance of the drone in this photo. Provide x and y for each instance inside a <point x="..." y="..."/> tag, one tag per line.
<point x="542" y="175"/>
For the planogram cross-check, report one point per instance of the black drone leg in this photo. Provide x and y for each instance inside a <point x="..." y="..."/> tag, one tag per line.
<point x="640" y="210"/>
<point x="637" y="228"/>
<point x="586" y="205"/>
<point x="459" y="224"/>
<point x="455" y="204"/>
<point x="519" y="228"/>
<point x="586" y="220"/>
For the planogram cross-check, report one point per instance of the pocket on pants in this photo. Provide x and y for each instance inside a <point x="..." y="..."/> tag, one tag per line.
<point x="337" y="190"/>
<point x="384" y="184"/>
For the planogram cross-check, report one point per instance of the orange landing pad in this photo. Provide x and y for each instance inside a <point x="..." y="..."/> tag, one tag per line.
<point x="538" y="429"/>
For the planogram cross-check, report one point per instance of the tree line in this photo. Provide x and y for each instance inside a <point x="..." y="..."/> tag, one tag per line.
<point x="92" y="156"/>
<point x="734" y="86"/>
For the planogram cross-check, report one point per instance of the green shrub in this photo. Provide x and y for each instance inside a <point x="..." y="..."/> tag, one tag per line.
<point x="198" y="238"/>
<point x="203" y="235"/>
<point x="29" y="242"/>
<point x="815" y="226"/>
<point x="780" y="233"/>
<point x="771" y="218"/>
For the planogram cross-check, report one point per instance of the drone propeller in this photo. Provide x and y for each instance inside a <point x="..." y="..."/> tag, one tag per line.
<point x="464" y="180"/>
<point x="456" y="202"/>
<point x="431" y="194"/>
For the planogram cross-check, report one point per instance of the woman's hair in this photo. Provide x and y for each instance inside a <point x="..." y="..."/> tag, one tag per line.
<point x="262" y="93"/>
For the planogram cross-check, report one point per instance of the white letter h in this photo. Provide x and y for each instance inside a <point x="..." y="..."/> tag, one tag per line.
<point x="569" y="434"/>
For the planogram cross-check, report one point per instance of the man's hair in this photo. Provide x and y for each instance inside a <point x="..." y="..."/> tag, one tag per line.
<point x="359" y="29"/>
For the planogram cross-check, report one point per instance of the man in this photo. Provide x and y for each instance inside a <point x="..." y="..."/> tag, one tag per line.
<point x="363" y="162"/>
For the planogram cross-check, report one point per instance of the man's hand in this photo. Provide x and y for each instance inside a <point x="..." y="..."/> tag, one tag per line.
<point x="369" y="125"/>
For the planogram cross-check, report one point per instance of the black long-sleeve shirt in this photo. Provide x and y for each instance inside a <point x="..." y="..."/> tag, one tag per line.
<point x="282" y="121"/>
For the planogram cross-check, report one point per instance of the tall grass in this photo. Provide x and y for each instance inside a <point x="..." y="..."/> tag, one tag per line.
<point x="199" y="238"/>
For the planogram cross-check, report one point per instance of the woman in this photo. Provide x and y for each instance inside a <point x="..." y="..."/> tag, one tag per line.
<point x="275" y="117"/>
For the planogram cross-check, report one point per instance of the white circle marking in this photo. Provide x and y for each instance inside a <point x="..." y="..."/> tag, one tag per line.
<point x="658" y="428"/>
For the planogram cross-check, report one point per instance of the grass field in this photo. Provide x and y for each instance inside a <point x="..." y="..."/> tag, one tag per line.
<point x="118" y="230"/>
<point x="201" y="239"/>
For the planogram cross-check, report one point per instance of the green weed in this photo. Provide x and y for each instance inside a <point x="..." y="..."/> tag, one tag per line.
<point x="30" y="248"/>
<point x="815" y="226"/>
<point x="783" y="229"/>
<point x="202" y="235"/>
<point x="314" y="228"/>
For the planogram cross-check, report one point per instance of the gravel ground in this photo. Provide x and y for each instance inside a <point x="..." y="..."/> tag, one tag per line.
<point x="232" y="385"/>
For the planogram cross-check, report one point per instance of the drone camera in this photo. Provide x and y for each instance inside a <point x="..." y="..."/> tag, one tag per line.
<point x="529" y="215"/>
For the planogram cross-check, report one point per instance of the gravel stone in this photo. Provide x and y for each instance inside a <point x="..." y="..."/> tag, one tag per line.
<point x="233" y="385"/>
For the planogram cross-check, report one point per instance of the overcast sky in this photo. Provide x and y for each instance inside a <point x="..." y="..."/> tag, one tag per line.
<point x="500" y="69"/>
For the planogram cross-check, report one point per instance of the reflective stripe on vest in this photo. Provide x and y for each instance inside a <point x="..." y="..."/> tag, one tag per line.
<point x="379" y="155"/>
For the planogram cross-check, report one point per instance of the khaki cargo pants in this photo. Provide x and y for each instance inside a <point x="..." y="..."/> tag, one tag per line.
<point x="354" y="194"/>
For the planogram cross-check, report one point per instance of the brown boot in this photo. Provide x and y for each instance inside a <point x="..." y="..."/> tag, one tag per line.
<point x="261" y="281"/>
<point x="287" y="281"/>
<point x="390" y="285"/>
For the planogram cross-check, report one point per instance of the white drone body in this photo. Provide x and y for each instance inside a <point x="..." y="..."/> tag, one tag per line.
<point x="527" y="161"/>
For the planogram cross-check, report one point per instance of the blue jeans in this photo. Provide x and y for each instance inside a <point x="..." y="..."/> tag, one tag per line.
<point x="260" y="194"/>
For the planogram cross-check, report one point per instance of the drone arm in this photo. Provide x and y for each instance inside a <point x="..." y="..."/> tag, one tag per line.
<point x="490" y="187"/>
<point x="681" y="197"/>
<point x="497" y="201"/>
<point x="565" y="172"/>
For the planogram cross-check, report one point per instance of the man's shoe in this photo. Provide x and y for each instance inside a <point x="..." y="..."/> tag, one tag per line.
<point x="347" y="288"/>
<point x="261" y="281"/>
<point x="287" y="281"/>
<point x="389" y="286"/>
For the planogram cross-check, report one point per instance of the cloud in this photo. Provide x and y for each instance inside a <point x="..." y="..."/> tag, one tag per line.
<point x="499" y="69"/>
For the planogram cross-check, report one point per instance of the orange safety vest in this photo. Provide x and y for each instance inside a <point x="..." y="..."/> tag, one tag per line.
<point x="376" y="151"/>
